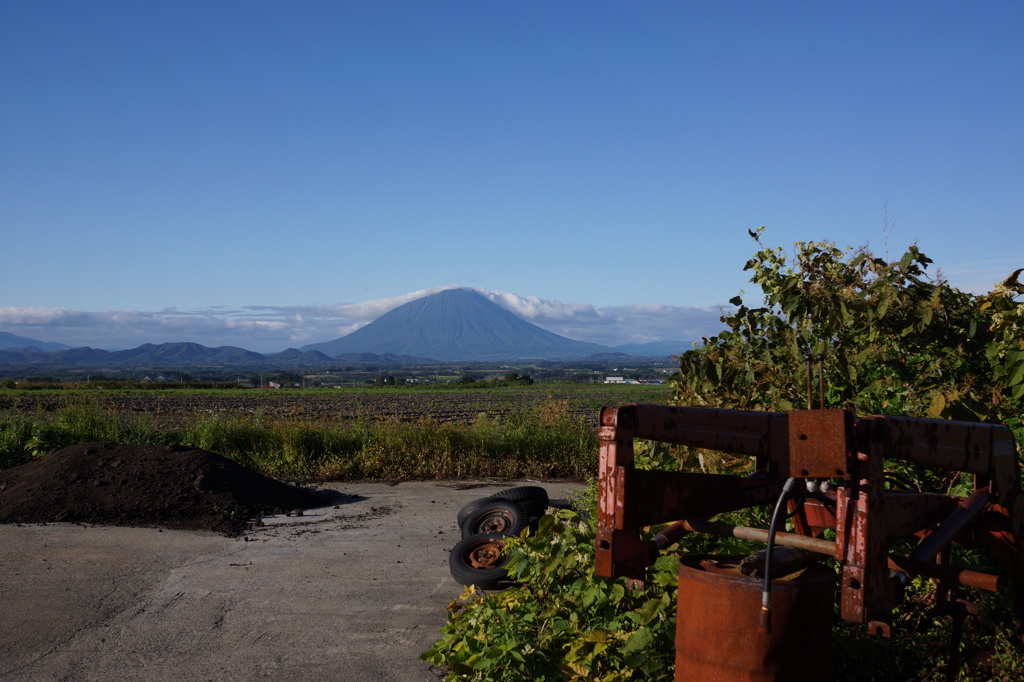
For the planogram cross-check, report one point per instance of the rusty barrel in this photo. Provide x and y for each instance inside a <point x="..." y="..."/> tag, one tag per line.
<point x="717" y="635"/>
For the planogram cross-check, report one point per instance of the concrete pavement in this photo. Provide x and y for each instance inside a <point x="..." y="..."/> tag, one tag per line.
<point x="353" y="592"/>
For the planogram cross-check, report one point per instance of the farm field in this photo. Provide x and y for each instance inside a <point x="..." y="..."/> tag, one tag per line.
<point x="178" y="407"/>
<point x="545" y="431"/>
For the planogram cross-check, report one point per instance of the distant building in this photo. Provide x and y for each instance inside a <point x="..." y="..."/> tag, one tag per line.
<point x="624" y="380"/>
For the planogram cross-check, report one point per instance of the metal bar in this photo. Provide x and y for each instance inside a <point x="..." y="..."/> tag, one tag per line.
<point x="821" y="381"/>
<point x="961" y="517"/>
<point x="739" y="432"/>
<point x="653" y="497"/>
<point x="975" y="579"/>
<point x="867" y="595"/>
<point x="910" y="513"/>
<point x="760" y="535"/>
<point x="670" y="535"/>
<point x="614" y="549"/>
<point x="807" y="366"/>
<point x="954" y="445"/>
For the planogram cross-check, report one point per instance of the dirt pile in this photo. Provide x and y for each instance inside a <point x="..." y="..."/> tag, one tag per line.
<point x="144" y="485"/>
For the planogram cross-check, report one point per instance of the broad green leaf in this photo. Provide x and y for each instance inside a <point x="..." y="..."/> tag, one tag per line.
<point x="637" y="641"/>
<point x="650" y="610"/>
<point x="1016" y="374"/>
<point x="1018" y="391"/>
<point x="883" y="308"/>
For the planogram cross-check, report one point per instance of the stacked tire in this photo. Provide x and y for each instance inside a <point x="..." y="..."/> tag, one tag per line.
<point x="479" y="558"/>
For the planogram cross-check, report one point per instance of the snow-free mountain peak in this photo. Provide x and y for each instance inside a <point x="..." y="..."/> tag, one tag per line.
<point x="457" y="325"/>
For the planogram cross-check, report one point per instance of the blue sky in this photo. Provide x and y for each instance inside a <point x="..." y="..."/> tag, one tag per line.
<point x="271" y="174"/>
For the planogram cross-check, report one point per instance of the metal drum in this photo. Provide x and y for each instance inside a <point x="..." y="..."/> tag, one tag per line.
<point x="717" y="636"/>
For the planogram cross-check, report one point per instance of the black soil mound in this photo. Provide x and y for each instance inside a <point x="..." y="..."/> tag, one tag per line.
<point x="144" y="485"/>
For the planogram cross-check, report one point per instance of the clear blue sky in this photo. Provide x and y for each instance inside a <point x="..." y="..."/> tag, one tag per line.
<point x="269" y="169"/>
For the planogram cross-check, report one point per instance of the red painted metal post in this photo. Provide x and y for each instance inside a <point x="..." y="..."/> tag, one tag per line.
<point x="618" y="551"/>
<point x="861" y="546"/>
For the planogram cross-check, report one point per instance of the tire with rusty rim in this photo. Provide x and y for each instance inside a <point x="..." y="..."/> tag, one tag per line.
<point x="469" y="508"/>
<point x="532" y="498"/>
<point x="503" y="517"/>
<point x="479" y="560"/>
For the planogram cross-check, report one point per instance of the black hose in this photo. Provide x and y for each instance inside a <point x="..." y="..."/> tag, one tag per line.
<point x="788" y="489"/>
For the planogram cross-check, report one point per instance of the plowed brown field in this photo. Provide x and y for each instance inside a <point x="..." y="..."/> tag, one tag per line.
<point x="181" y="406"/>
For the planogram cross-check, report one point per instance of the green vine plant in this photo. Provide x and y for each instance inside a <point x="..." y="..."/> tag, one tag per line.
<point x="561" y="622"/>
<point x="892" y="339"/>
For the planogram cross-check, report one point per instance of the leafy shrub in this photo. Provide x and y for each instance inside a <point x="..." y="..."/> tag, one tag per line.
<point x="247" y="440"/>
<point x="15" y="435"/>
<point x="562" y="623"/>
<point x="890" y="339"/>
<point x="920" y="650"/>
<point x="76" y="420"/>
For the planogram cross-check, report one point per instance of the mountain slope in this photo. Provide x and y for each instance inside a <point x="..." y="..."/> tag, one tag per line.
<point x="184" y="352"/>
<point x="457" y="325"/>
<point x="656" y="348"/>
<point x="146" y="355"/>
<point x="13" y="341"/>
<point x="20" y="357"/>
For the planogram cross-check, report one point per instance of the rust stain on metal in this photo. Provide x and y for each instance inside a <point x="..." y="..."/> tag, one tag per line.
<point x="819" y="443"/>
<point x="710" y="645"/>
<point x="841" y="457"/>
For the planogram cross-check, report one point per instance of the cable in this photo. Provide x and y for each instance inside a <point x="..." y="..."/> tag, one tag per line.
<point x="764" y="624"/>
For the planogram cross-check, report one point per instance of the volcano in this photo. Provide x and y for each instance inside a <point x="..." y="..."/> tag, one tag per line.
<point x="458" y="325"/>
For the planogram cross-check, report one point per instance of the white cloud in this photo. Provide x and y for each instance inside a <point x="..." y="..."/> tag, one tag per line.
<point x="539" y="309"/>
<point x="274" y="328"/>
<point x="113" y="329"/>
<point x="613" y="325"/>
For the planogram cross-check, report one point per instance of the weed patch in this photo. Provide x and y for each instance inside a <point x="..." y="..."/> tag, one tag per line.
<point x="548" y="440"/>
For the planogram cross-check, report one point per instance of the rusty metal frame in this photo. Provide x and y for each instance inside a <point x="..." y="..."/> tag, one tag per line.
<point x="817" y="444"/>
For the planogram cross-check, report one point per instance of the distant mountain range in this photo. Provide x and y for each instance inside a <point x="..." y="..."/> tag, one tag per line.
<point x="14" y="341"/>
<point x="455" y="325"/>
<point x="183" y="354"/>
<point x="655" y="348"/>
